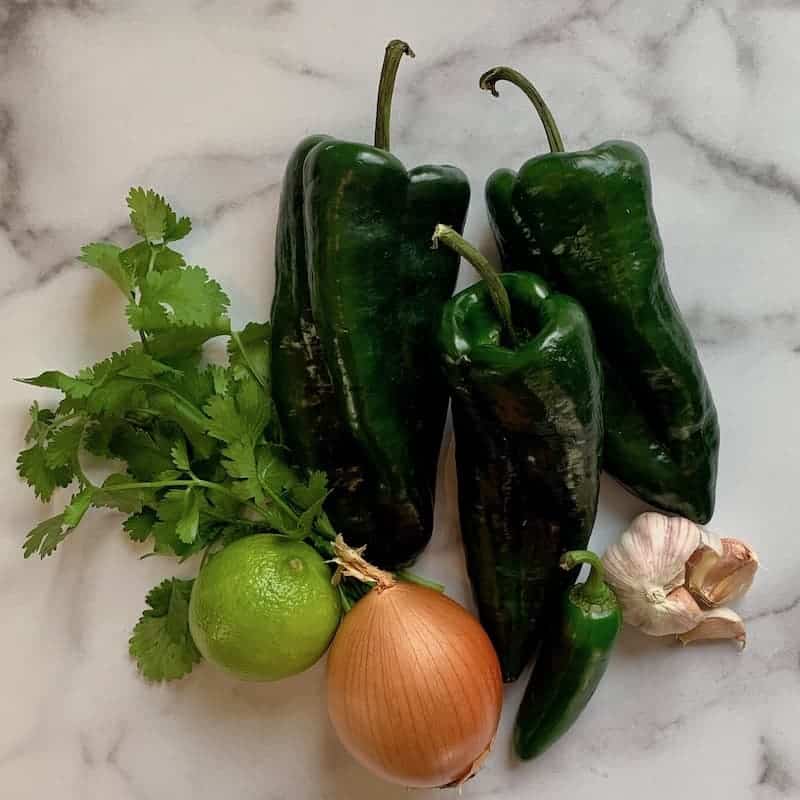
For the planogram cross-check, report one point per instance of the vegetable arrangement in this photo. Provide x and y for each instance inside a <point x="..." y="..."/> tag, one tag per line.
<point x="303" y="468"/>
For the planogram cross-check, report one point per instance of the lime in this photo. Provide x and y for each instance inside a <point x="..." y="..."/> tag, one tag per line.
<point x="264" y="608"/>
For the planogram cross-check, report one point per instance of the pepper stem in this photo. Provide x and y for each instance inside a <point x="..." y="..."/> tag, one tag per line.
<point x="498" y="293"/>
<point x="395" y="51"/>
<point x="490" y="78"/>
<point x="595" y="589"/>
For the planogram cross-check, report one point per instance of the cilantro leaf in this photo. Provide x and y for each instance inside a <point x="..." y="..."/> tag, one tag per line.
<point x="141" y="258"/>
<point x="176" y="228"/>
<point x="75" y="388"/>
<point x="63" y="446"/>
<point x="187" y="526"/>
<point x="241" y="416"/>
<point x="106" y="258"/>
<point x="136" y="259"/>
<point x="176" y="298"/>
<point x="45" y="537"/>
<point x="223" y="504"/>
<point x="248" y="352"/>
<point x="117" y="383"/>
<point x="48" y="534"/>
<point x="146" y="452"/>
<point x="178" y="527"/>
<point x="33" y="468"/>
<point x="139" y="526"/>
<point x="41" y="421"/>
<point x="180" y="455"/>
<point x="149" y="213"/>
<point x="274" y="470"/>
<point x="309" y="497"/>
<point x="176" y="342"/>
<point x="97" y="438"/>
<point x="240" y="463"/>
<point x="161" y="642"/>
<point x="77" y="508"/>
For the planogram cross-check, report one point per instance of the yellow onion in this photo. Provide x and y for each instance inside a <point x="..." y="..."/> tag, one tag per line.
<point x="414" y="686"/>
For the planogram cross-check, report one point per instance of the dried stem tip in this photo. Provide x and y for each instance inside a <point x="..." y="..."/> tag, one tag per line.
<point x="351" y="563"/>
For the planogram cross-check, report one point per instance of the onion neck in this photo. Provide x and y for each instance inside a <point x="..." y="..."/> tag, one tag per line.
<point x="488" y="82"/>
<point x="494" y="285"/>
<point x="395" y="51"/>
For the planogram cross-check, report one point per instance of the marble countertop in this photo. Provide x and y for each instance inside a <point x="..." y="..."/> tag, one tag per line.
<point x="204" y="100"/>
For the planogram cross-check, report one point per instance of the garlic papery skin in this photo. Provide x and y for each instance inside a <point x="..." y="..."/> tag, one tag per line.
<point x="717" y="623"/>
<point x="646" y="569"/>
<point x="714" y="579"/>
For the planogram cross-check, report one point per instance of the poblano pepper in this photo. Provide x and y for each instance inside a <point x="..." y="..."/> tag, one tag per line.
<point x="527" y="413"/>
<point x="572" y="660"/>
<point x="585" y="221"/>
<point x="359" y="292"/>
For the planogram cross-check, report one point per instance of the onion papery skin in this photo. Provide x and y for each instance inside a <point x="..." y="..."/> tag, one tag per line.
<point x="414" y="687"/>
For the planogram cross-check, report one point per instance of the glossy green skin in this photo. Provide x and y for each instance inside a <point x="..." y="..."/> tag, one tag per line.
<point x="359" y="294"/>
<point x="529" y="430"/>
<point x="568" y="669"/>
<point x="585" y="221"/>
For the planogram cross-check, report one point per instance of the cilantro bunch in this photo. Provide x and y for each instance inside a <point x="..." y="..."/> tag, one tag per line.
<point x="193" y="448"/>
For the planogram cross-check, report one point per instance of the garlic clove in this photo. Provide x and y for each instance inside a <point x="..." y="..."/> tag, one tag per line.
<point x="718" y="579"/>
<point x="646" y="565"/>
<point x="717" y="623"/>
<point x="677" y="612"/>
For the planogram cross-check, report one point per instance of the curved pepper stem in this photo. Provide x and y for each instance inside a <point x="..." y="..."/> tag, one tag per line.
<point x="395" y="51"/>
<point x="491" y="278"/>
<point x="490" y="78"/>
<point x="595" y="589"/>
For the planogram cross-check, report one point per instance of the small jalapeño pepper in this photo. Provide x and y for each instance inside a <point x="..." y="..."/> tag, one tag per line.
<point x="572" y="659"/>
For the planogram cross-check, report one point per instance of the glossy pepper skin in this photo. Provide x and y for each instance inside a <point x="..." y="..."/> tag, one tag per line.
<point x="572" y="661"/>
<point x="359" y="293"/>
<point x="528" y="435"/>
<point x="585" y="221"/>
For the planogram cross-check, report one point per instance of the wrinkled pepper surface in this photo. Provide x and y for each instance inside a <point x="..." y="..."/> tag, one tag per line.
<point x="572" y="660"/>
<point x="526" y="391"/>
<point x="359" y="293"/>
<point x="585" y="221"/>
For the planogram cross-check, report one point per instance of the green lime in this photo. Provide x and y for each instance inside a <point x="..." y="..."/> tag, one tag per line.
<point x="264" y="608"/>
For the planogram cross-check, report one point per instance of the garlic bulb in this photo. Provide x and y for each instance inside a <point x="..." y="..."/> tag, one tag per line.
<point x="715" y="579"/>
<point x="666" y="570"/>
<point x="718" y="623"/>
<point x="647" y="569"/>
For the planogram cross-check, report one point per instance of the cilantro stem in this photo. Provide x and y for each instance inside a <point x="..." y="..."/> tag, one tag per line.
<point x="152" y="261"/>
<point x="191" y="408"/>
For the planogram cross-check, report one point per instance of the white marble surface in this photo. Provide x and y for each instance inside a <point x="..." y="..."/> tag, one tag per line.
<point x="204" y="100"/>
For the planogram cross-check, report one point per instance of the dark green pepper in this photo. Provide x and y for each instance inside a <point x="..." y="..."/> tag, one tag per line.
<point x="527" y="413"/>
<point x="585" y="221"/>
<point x="572" y="660"/>
<point x="359" y="293"/>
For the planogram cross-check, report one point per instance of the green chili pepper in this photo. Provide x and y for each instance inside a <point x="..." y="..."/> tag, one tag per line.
<point x="572" y="660"/>
<point x="585" y="221"/>
<point x="526" y="390"/>
<point x="359" y="293"/>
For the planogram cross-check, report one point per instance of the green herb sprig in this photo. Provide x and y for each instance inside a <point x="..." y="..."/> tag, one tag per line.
<point x="195" y="446"/>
